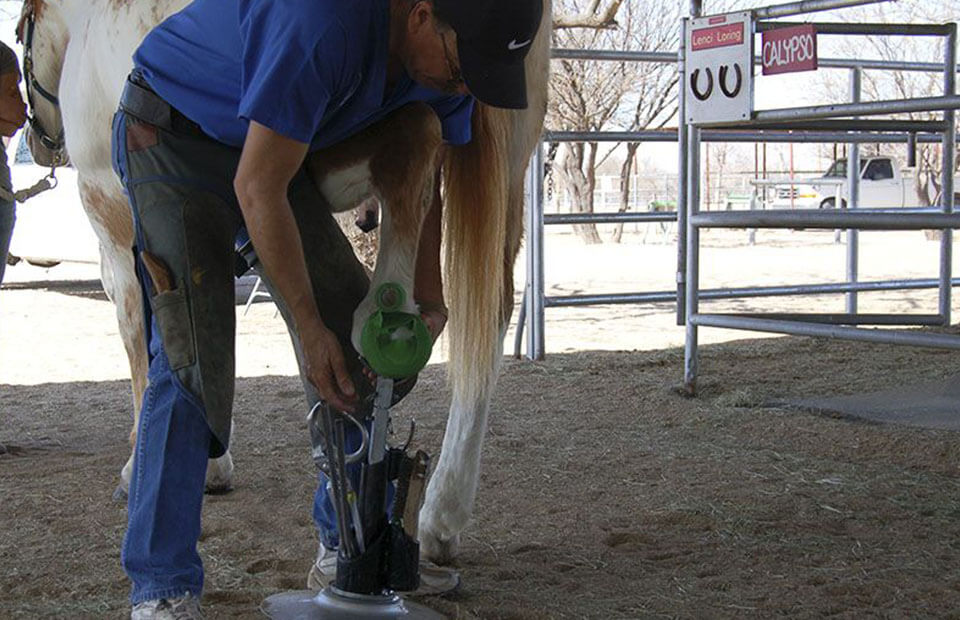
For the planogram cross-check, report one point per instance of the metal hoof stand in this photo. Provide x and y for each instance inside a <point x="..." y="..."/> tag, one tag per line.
<point x="379" y="554"/>
<point x="334" y="604"/>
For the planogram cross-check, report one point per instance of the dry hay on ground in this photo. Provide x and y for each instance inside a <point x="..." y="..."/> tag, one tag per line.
<point x="605" y="493"/>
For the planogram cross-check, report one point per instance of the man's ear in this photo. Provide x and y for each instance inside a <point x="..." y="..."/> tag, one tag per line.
<point x="421" y="14"/>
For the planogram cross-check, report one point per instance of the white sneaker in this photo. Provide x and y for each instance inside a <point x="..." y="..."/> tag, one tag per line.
<point x="434" y="580"/>
<point x="324" y="569"/>
<point x="186" y="607"/>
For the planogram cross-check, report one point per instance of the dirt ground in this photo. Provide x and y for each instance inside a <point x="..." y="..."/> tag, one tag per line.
<point x="604" y="494"/>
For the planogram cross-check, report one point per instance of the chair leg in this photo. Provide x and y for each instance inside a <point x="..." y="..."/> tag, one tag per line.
<point x="253" y="295"/>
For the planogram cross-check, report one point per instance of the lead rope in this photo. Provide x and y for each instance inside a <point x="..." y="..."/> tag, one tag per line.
<point x="46" y="183"/>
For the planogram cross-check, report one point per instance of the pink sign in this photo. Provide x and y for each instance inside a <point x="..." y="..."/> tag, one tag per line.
<point x="786" y="50"/>
<point x="717" y="36"/>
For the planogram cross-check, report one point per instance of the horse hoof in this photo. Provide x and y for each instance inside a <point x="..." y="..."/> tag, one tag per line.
<point x="120" y="493"/>
<point x="438" y="550"/>
<point x="219" y="475"/>
<point x="216" y="485"/>
<point x="221" y="489"/>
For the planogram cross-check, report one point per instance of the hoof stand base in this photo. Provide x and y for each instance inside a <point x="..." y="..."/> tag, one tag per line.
<point x="333" y="604"/>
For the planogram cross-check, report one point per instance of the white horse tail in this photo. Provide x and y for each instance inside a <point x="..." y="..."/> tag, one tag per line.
<point x="476" y="210"/>
<point x="483" y="189"/>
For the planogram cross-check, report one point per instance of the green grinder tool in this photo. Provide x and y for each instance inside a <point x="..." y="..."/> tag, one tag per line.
<point x="395" y="344"/>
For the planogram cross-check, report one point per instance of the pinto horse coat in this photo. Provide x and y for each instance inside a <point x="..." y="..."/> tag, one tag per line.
<point x="81" y="53"/>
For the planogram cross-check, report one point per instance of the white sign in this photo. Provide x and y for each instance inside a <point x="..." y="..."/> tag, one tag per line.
<point x="719" y="68"/>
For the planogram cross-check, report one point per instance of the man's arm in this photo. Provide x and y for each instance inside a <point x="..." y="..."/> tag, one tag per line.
<point x="268" y="163"/>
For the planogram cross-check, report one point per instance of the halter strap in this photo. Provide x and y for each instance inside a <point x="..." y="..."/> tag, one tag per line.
<point x="25" y="31"/>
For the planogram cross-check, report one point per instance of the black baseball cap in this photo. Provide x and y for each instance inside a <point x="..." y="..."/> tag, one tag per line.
<point x="493" y="38"/>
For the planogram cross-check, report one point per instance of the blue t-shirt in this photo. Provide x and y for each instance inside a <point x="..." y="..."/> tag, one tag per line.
<point x="312" y="70"/>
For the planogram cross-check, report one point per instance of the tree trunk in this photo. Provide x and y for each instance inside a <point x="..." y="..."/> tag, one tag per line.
<point x="579" y="185"/>
<point x="625" y="188"/>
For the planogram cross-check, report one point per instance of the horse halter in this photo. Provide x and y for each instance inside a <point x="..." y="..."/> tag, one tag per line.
<point x="56" y="144"/>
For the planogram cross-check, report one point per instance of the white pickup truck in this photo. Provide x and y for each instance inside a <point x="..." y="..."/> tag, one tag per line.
<point x="883" y="184"/>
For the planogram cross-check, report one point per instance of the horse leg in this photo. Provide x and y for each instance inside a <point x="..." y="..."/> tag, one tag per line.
<point x="453" y="485"/>
<point x="124" y="291"/>
<point x="110" y="216"/>
<point x="404" y="173"/>
<point x="452" y="490"/>
<point x="394" y="160"/>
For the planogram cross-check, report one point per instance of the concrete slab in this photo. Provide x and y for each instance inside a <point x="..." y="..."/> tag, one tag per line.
<point x="928" y="405"/>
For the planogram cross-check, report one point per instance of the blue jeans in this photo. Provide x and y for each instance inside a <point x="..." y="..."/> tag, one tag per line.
<point x="324" y="515"/>
<point x="8" y="215"/>
<point x="175" y="435"/>
<point x="166" y="490"/>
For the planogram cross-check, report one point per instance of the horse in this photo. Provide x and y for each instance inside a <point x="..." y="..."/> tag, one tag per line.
<point x="77" y="56"/>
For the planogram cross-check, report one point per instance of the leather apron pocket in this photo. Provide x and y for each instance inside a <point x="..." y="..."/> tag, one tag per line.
<point x="173" y="317"/>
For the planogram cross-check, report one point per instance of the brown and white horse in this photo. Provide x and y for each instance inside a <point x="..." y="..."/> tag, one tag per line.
<point x="81" y="53"/>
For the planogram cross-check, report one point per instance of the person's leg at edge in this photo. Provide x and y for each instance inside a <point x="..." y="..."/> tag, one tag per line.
<point x="8" y="216"/>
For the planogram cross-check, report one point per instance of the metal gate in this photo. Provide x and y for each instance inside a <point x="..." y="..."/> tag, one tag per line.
<point x="817" y="124"/>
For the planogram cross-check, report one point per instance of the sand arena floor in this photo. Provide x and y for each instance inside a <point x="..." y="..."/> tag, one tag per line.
<point x="605" y="493"/>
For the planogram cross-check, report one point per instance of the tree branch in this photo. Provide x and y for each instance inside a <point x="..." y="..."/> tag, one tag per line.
<point x="604" y="21"/>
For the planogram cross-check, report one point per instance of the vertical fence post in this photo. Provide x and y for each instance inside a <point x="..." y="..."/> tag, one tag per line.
<point x="682" y="176"/>
<point x="692" y="245"/>
<point x="535" y="287"/>
<point x="853" y="196"/>
<point x="693" y="260"/>
<point x="948" y="158"/>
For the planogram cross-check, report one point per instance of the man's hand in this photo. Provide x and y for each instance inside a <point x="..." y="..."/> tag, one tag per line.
<point x="436" y="320"/>
<point x="13" y="111"/>
<point x="326" y="369"/>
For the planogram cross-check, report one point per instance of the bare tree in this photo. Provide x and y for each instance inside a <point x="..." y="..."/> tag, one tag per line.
<point x="655" y="88"/>
<point x="598" y="95"/>
<point x="584" y="96"/>
<point x="593" y="16"/>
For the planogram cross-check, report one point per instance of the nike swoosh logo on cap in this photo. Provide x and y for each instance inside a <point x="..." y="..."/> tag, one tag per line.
<point x="513" y="45"/>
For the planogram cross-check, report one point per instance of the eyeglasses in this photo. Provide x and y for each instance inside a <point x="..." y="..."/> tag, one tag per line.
<point x="456" y="77"/>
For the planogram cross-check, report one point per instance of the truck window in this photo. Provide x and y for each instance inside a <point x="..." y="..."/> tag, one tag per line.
<point x="879" y="170"/>
<point x="838" y="169"/>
